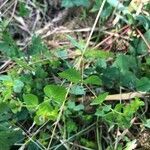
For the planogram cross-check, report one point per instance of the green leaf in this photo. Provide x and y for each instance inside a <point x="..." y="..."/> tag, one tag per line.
<point x="37" y="46"/>
<point x="3" y="107"/>
<point x="71" y="126"/>
<point x="56" y="92"/>
<point x="23" y="11"/>
<point x="118" y="5"/>
<point x="8" y="46"/>
<point x="67" y="3"/>
<point x="125" y="62"/>
<point x="95" y="54"/>
<point x="63" y="54"/>
<point x="5" y="78"/>
<point x="143" y="84"/>
<point x="101" y="63"/>
<point x="147" y="123"/>
<point x="15" y="106"/>
<point x="94" y="80"/>
<point x="131" y="108"/>
<point x="110" y="77"/>
<point x="71" y="105"/>
<point x="77" y="90"/>
<point x="31" y="100"/>
<point x="84" y="3"/>
<point x="142" y="47"/>
<point x="100" y="99"/>
<point x="101" y="112"/>
<point x="9" y="136"/>
<point x="96" y="6"/>
<point x="75" y="43"/>
<point x="148" y="60"/>
<point x="144" y="21"/>
<point x="131" y="145"/>
<point x="128" y="79"/>
<point x="72" y="3"/>
<point x="71" y="75"/>
<point x="18" y="85"/>
<point x="88" y="143"/>
<point x="45" y="112"/>
<point x="79" y="107"/>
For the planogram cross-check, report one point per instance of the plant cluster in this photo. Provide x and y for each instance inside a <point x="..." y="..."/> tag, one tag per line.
<point x="51" y="101"/>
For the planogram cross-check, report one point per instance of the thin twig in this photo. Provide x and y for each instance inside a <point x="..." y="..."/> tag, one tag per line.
<point x="109" y="37"/>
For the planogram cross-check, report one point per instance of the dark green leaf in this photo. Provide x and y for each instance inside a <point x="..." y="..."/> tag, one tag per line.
<point x="126" y="62"/>
<point x="8" y="46"/>
<point x="3" y="107"/>
<point x="143" y="84"/>
<point x="142" y="47"/>
<point x="144" y="21"/>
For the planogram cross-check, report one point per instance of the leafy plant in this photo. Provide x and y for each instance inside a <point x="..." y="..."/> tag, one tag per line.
<point x="58" y="98"/>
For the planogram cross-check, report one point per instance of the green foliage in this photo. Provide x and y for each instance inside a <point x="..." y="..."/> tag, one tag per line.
<point x="72" y="3"/>
<point x="9" y="134"/>
<point x="77" y="90"/>
<point x="95" y="54"/>
<point x="75" y="43"/>
<point x="52" y="92"/>
<point x="37" y="46"/>
<point x="44" y="113"/>
<point x="74" y="107"/>
<point x="142" y="46"/>
<point x="45" y="96"/>
<point x="147" y="123"/>
<point x="23" y="11"/>
<point x="8" y="137"/>
<point x="143" y="84"/>
<point x="31" y="100"/>
<point x="100" y="99"/>
<point x="121" y="115"/>
<point x="93" y="79"/>
<point x="144" y="21"/>
<point x="71" y="75"/>
<point x="8" y="46"/>
<point x="18" y="85"/>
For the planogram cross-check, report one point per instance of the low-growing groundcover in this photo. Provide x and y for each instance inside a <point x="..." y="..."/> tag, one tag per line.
<point x="89" y="94"/>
